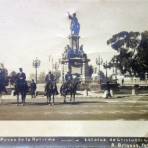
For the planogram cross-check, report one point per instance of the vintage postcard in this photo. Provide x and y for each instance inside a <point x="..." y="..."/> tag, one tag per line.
<point x="74" y="73"/>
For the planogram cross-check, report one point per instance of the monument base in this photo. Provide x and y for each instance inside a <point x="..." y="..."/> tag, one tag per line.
<point x="77" y="67"/>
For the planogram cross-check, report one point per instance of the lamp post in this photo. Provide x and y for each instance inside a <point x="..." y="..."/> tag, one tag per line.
<point x="146" y="77"/>
<point x="36" y="64"/>
<point x="62" y="69"/>
<point x="99" y="61"/>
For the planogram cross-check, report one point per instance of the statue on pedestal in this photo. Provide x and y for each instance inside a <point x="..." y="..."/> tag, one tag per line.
<point x="75" y="26"/>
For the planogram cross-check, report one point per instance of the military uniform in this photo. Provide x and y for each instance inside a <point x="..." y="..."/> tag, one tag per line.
<point x="33" y="89"/>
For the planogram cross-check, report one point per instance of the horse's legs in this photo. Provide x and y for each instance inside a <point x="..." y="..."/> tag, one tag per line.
<point x="64" y="98"/>
<point x="0" y="97"/>
<point x="70" y="96"/>
<point x="50" y="99"/>
<point x="17" y="99"/>
<point x="74" y="96"/>
<point x="47" y="99"/>
<point x="53" y="99"/>
<point x="22" y="96"/>
<point x="24" y="99"/>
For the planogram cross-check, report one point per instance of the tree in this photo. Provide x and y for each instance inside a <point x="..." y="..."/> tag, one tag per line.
<point x="131" y="48"/>
<point x="141" y="59"/>
<point x="90" y="70"/>
<point x="31" y="76"/>
<point x="57" y="75"/>
<point x="12" y="76"/>
<point x="41" y="78"/>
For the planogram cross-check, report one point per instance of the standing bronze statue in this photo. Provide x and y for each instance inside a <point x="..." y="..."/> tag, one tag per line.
<point x="75" y="26"/>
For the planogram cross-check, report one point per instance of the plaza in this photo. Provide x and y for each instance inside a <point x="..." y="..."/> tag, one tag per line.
<point x="91" y="107"/>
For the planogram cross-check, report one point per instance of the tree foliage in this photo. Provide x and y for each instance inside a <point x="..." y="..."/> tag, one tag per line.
<point x="12" y="77"/>
<point x="90" y="70"/>
<point x="132" y="52"/>
<point x="41" y="77"/>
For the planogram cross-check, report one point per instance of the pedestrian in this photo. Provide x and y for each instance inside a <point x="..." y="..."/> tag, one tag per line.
<point x="108" y="90"/>
<point x="122" y="81"/>
<point x="33" y="88"/>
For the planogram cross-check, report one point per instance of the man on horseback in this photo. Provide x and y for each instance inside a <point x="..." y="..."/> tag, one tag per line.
<point x="21" y="86"/>
<point x="69" y="87"/>
<point x="68" y="77"/>
<point x="50" y="78"/>
<point x="2" y="81"/>
<point x="21" y="76"/>
<point x="50" y="87"/>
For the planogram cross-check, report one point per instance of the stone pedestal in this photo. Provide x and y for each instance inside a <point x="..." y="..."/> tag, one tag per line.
<point x="74" y="41"/>
<point x="80" y="67"/>
<point x="76" y="60"/>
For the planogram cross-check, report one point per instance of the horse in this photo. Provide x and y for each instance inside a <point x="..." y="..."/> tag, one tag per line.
<point x="2" y="89"/>
<point x="51" y="91"/>
<point x="4" y="81"/>
<point x="21" y="88"/>
<point x="69" y="88"/>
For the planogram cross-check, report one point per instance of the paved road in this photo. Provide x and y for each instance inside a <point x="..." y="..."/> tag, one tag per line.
<point x="86" y="108"/>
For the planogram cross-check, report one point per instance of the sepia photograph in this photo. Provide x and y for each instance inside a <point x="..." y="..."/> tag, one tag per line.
<point x="61" y="61"/>
<point x="68" y="61"/>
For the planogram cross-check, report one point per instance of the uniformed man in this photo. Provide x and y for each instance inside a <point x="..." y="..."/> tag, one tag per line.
<point x="2" y="81"/>
<point x="49" y="77"/>
<point x="21" y="76"/>
<point x="68" y="77"/>
<point x="33" y="88"/>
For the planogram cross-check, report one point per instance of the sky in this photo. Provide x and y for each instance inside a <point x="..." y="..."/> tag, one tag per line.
<point x="39" y="28"/>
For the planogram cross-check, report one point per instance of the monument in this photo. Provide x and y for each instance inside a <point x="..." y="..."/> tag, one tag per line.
<point x="74" y="59"/>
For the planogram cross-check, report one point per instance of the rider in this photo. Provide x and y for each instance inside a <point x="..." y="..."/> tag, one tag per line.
<point x="21" y="81"/>
<point x="51" y="78"/>
<point x="2" y="81"/>
<point x="68" y="77"/>
<point x="21" y="76"/>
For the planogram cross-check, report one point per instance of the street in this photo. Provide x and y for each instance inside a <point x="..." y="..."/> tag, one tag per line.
<point x="120" y="107"/>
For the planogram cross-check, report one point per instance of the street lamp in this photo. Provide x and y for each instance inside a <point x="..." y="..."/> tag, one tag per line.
<point x="146" y="77"/>
<point x="62" y="69"/>
<point x="36" y="64"/>
<point x="99" y="61"/>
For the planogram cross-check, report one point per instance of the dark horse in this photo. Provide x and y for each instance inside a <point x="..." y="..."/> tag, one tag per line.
<point x="50" y="91"/>
<point x="4" y="81"/>
<point x="2" y="88"/>
<point x="21" y="88"/>
<point x="69" y="88"/>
